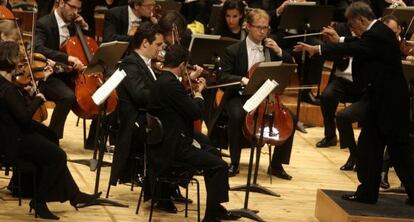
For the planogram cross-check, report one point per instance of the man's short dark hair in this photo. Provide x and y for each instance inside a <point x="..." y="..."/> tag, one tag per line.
<point x="146" y="30"/>
<point x="387" y="18"/>
<point x="359" y="9"/>
<point x="175" y="55"/>
<point x="9" y="53"/>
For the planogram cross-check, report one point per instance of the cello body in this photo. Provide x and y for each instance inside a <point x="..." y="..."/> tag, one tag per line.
<point x="83" y="47"/>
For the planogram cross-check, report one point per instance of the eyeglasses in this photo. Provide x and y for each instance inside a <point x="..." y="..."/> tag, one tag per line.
<point x="261" y="28"/>
<point x="73" y="7"/>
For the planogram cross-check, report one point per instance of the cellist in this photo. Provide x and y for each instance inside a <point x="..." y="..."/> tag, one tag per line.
<point x="238" y="59"/>
<point x="51" y="31"/>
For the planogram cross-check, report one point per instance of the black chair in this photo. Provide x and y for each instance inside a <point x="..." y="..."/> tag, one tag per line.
<point x="181" y="173"/>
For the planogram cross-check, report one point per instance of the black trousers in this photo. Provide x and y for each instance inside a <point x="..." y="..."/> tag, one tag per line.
<point x="215" y="172"/>
<point x="236" y="115"/>
<point x="55" y="182"/>
<point x="342" y="90"/>
<point x="371" y="144"/>
<point x="55" y="89"/>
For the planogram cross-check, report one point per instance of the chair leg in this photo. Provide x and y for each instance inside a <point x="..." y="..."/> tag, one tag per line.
<point x="109" y="189"/>
<point x="186" y="201"/>
<point x="19" y="186"/>
<point x="198" y="200"/>
<point x="152" y="209"/>
<point x="139" y="200"/>
<point x="270" y="163"/>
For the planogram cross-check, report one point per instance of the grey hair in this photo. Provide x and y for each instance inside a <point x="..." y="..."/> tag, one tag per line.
<point x="359" y="9"/>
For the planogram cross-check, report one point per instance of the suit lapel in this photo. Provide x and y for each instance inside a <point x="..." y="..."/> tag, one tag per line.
<point x="55" y="30"/>
<point x="243" y="54"/>
<point x="125" y="19"/>
<point x="145" y="67"/>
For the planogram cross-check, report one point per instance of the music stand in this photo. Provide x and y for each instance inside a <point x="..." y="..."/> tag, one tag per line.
<point x="214" y="17"/>
<point x="281" y="74"/>
<point x="203" y="48"/>
<point x="168" y="5"/>
<point x="305" y="18"/>
<point x="107" y="56"/>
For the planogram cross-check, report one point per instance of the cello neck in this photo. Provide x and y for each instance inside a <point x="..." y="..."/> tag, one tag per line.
<point x="85" y="47"/>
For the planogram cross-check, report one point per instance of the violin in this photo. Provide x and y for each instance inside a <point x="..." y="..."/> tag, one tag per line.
<point x="5" y="13"/>
<point x="275" y="119"/>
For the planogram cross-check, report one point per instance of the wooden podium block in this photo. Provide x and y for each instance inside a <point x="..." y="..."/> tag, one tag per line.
<point x="390" y="208"/>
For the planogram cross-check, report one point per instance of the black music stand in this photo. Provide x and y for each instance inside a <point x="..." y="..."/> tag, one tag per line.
<point x="281" y="74"/>
<point x="204" y="48"/>
<point x="105" y="58"/>
<point x="214" y="17"/>
<point x="305" y="18"/>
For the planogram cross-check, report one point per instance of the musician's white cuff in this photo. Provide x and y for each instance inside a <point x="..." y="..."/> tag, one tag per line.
<point x="341" y="39"/>
<point x="319" y="49"/>
<point x="198" y="96"/>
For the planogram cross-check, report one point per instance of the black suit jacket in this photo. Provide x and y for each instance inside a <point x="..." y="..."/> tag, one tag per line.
<point x="47" y="39"/>
<point x="234" y="68"/>
<point x="133" y="94"/>
<point x="377" y="69"/>
<point x="170" y="102"/>
<point x="116" y="24"/>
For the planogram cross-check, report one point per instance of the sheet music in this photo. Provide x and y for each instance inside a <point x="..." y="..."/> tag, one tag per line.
<point x="254" y="101"/>
<point x="267" y="64"/>
<point x="106" y="89"/>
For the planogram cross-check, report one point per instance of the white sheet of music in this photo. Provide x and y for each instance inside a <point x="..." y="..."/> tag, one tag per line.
<point x="254" y="101"/>
<point x="106" y="89"/>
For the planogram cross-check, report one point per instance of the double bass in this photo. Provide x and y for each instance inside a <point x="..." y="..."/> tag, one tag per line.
<point x="83" y="47"/>
<point x="275" y="119"/>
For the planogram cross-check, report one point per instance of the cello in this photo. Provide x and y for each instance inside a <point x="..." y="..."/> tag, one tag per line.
<point x="83" y="47"/>
<point x="275" y="119"/>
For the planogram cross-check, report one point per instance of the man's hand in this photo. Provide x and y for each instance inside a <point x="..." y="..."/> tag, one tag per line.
<point x="330" y="34"/>
<point x="76" y="63"/>
<point x="244" y="81"/>
<point x="311" y="49"/>
<point x="40" y="95"/>
<point x="194" y="74"/>
<point x="79" y="20"/>
<point x="47" y="71"/>
<point x="270" y="43"/>
<point x="201" y="83"/>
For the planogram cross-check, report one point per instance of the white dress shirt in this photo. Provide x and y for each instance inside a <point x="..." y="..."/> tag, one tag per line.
<point x="133" y="20"/>
<point x="148" y="63"/>
<point x="63" y="28"/>
<point x="254" y="52"/>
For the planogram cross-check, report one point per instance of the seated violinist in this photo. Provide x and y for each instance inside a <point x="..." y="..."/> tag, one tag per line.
<point x="169" y="101"/>
<point x="237" y="61"/>
<point x="25" y="140"/>
<point x="121" y="22"/>
<point x="51" y="32"/>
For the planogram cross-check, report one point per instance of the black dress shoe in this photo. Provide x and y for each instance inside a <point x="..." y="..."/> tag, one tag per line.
<point x="167" y="206"/>
<point x="350" y="197"/>
<point x="327" y="142"/>
<point x="384" y="180"/>
<point x="308" y="97"/>
<point x="176" y="196"/>
<point x="349" y="165"/>
<point x="281" y="173"/>
<point x="42" y="210"/>
<point x="354" y="197"/>
<point x="233" y="170"/>
<point x="210" y="219"/>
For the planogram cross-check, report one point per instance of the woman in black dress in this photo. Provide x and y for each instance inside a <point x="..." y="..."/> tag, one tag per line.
<point x="24" y="140"/>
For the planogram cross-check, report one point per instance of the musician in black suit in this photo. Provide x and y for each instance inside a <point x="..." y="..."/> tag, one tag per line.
<point x="377" y="70"/>
<point x="170" y="102"/>
<point x="237" y="61"/>
<point x="133" y="94"/>
<point x="26" y="141"/>
<point x="120" y="21"/>
<point x="51" y="32"/>
<point x="341" y="88"/>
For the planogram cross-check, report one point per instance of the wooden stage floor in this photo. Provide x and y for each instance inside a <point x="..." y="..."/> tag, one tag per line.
<point x="311" y="168"/>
